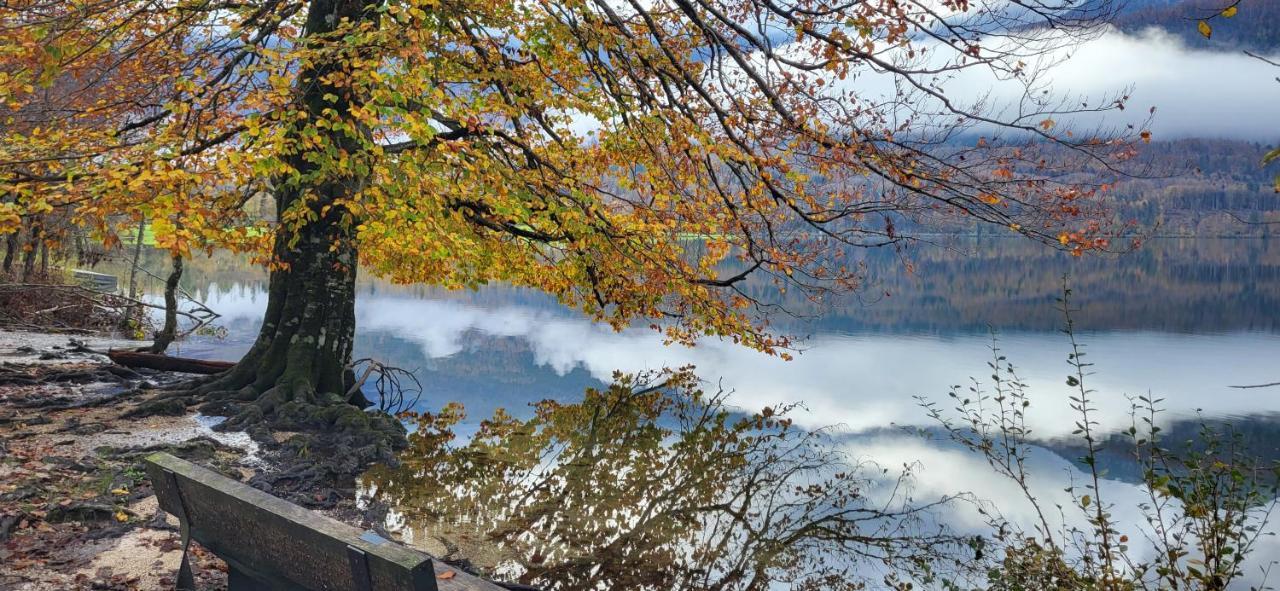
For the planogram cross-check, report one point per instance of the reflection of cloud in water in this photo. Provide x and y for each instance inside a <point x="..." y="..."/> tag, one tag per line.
<point x="867" y="381"/>
<point x="864" y="381"/>
<point x="946" y="470"/>
<point x="439" y="326"/>
<point x="236" y="302"/>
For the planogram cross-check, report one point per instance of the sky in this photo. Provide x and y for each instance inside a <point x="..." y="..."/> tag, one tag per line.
<point x="1196" y="93"/>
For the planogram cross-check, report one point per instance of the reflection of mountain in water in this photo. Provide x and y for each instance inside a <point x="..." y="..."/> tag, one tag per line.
<point x="1175" y="285"/>
<point x="1257" y="437"/>
<point x="505" y="347"/>
<point x="488" y="373"/>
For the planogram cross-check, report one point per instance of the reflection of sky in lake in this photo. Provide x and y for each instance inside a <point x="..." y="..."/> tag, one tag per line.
<point x="859" y="381"/>
<point x="946" y="471"/>
<point x="1181" y="321"/>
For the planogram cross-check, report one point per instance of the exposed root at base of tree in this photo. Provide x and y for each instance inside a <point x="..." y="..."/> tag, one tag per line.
<point x="28" y="376"/>
<point x="324" y="443"/>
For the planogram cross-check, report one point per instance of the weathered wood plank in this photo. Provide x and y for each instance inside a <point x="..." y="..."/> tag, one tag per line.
<point x="95" y="280"/>
<point x="460" y="581"/>
<point x="289" y="547"/>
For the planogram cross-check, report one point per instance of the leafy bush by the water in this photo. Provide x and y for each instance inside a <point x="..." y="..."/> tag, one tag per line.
<point x="1207" y="502"/>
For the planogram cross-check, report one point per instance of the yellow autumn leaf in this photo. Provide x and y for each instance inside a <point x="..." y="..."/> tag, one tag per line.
<point x="1229" y="12"/>
<point x="121" y="516"/>
<point x="120" y="491"/>
<point x="1204" y="29"/>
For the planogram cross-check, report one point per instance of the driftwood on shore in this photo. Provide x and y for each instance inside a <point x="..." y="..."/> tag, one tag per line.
<point x="166" y="363"/>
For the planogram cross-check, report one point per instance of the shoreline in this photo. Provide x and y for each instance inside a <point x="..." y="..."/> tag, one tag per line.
<point x="76" y="510"/>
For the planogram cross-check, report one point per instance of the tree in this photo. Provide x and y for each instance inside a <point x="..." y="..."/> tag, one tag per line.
<point x="169" y="329"/>
<point x="636" y="160"/>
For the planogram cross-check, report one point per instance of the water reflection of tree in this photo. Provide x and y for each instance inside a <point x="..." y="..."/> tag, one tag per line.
<point x="645" y="487"/>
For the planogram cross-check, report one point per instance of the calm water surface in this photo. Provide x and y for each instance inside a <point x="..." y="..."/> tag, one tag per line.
<point x="1181" y="319"/>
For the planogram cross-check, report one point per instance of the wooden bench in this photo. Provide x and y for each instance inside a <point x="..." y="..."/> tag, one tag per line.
<point x="269" y="543"/>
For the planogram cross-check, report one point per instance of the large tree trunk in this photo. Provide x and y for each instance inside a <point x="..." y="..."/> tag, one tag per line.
<point x="304" y="346"/>
<point x="295" y="377"/>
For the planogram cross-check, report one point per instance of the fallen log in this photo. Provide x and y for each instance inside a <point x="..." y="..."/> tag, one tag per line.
<point x="166" y="363"/>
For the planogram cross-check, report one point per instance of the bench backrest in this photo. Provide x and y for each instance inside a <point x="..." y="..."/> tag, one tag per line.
<point x="281" y="544"/>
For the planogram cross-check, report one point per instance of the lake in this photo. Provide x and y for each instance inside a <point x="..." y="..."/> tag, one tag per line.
<point x="1180" y="319"/>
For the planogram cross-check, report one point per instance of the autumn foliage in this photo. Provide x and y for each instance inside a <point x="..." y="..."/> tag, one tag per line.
<point x="636" y="160"/>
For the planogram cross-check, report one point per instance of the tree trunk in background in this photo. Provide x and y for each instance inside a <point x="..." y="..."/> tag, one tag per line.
<point x="165" y="336"/>
<point x="31" y="248"/>
<point x="12" y="245"/>
<point x="127" y="320"/>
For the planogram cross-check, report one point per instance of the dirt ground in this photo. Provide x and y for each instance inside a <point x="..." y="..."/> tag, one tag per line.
<point x="76" y="509"/>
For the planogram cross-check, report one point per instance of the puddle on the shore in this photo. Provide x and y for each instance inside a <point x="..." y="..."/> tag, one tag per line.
<point x="185" y="429"/>
<point x="236" y="439"/>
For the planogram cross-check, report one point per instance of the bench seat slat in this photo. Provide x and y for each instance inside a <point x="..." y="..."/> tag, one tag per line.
<point x="286" y="546"/>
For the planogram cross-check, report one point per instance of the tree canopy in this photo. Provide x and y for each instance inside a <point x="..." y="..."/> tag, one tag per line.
<point x="635" y="159"/>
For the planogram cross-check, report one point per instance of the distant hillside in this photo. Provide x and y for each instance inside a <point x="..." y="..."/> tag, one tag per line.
<point x="1203" y="187"/>
<point x="1255" y="27"/>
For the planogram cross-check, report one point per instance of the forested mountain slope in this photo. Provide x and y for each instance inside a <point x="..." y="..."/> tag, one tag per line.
<point x="1255" y="27"/>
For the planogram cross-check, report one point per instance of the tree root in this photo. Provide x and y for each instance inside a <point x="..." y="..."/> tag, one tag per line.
<point x="334" y="441"/>
<point x="169" y="404"/>
<point x="42" y="375"/>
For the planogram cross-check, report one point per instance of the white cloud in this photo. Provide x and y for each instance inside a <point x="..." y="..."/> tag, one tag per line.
<point x="1197" y="93"/>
